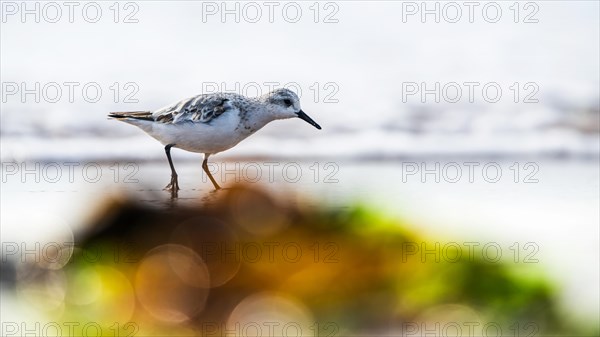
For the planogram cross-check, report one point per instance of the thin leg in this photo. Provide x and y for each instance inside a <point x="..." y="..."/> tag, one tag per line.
<point x="174" y="184"/>
<point x="205" y="167"/>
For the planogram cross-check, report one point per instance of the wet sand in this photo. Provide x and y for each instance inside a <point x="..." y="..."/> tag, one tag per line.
<point x="559" y="213"/>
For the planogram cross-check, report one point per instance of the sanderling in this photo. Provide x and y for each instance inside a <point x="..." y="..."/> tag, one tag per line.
<point x="212" y="123"/>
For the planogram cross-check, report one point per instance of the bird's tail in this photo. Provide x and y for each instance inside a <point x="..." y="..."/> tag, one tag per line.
<point x="141" y="115"/>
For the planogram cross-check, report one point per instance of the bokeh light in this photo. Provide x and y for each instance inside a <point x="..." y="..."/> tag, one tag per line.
<point x="172" y="283"/>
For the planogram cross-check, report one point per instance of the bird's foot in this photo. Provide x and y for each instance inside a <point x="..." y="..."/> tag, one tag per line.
<point x="214" y="182"/>
<point x="219" y="189"/>
<point x="173" y="186"/>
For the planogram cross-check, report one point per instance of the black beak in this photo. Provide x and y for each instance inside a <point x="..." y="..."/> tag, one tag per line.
<point x="307" y="119"/>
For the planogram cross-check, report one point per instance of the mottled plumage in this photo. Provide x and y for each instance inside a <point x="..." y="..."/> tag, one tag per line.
<point x="201" y="108"/>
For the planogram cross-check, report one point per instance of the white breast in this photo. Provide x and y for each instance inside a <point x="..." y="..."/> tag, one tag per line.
<point x="218" y="135"/>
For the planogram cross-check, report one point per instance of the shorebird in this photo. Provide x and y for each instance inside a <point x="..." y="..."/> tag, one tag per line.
<point x="212" y="123"/>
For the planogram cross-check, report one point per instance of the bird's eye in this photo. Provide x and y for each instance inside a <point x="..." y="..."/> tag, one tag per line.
<point x="287" y="102"/>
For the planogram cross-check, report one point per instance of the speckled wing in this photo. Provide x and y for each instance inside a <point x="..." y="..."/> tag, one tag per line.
<point x="197" y="109"/>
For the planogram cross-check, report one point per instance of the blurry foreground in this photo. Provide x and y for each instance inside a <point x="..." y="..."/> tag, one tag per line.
<point x="247" y="264"/>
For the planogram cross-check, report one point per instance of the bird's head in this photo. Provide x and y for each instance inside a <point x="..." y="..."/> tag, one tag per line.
<point x="284" y="103"/>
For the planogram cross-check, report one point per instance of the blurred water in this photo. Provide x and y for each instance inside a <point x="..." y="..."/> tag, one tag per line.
<point x="356" y="77"/>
